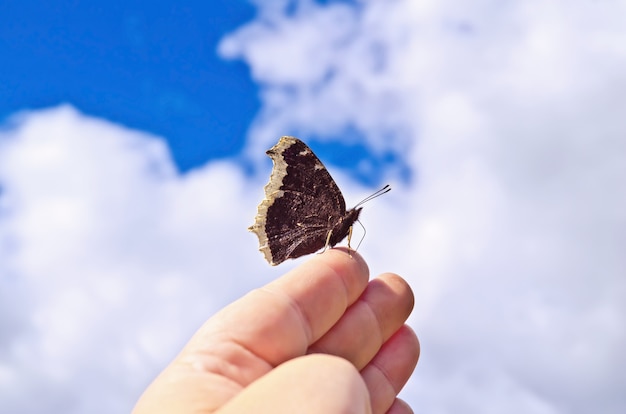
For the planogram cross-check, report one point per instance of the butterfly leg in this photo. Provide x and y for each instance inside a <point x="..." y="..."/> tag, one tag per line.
<point x="330" y="233"/>
<point x="349" y="238"/>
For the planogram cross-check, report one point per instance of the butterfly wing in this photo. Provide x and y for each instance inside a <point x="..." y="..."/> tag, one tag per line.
<point x="302" y="204"/>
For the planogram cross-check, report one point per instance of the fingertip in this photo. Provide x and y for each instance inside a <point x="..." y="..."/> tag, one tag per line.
<point x="344" y="265"/>
<point x="391" y="368"/>
<point x="400" y="406"/>
<point x="316" y="383"/>
<point x="407" y="335"/>
<point x="343" y="258"/>
<point x="402" y="288"/>
<point x="334" y="377"/>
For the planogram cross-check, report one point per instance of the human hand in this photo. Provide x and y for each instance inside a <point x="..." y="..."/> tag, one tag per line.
<point x="320" y="339"/>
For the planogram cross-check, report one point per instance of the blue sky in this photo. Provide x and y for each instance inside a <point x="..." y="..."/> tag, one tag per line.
<point x="152" y="68"/>
<point x="132" y="160"/>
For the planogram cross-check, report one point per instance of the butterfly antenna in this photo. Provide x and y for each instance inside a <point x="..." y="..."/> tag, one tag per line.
<point x="378" y="193"/>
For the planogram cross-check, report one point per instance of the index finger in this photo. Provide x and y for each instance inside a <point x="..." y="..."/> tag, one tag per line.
<point x="265" y="328"/>
<point x="280" y="320"/>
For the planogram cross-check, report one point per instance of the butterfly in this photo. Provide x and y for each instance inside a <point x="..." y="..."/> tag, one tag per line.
<point x="303" y="210"/>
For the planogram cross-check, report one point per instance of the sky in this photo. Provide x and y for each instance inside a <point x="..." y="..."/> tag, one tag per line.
<point x="132" y="144"/>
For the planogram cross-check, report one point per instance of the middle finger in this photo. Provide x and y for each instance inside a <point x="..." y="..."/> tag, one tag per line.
<point x="381" y="310"/>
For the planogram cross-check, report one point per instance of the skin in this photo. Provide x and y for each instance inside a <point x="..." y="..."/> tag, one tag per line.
<point x="320" y="339"/>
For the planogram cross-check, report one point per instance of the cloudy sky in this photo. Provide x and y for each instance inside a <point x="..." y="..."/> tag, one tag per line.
<point x="132" y="143"/>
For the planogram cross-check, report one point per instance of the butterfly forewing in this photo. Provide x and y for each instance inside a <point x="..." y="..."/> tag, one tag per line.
<point x="307" y="175"/>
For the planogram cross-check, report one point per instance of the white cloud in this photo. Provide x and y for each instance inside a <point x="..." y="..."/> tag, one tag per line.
<point x="108" y="259"/>
<point x="513" y="237"/>
<point x="512" y="234"/>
